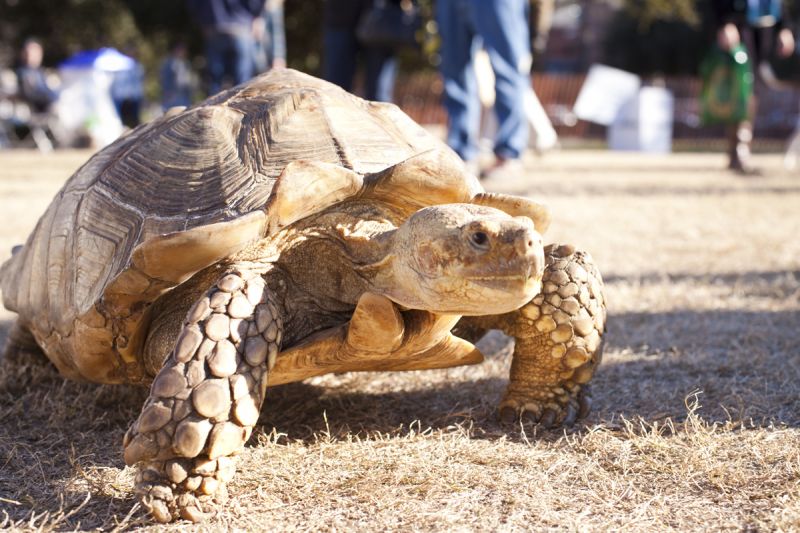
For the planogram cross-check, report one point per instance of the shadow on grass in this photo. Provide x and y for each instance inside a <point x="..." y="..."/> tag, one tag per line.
<point x="60" y="440"/>
<point x="785" y="281"/>
<point x="745" y="363"/>
<point x="742" y="366"/>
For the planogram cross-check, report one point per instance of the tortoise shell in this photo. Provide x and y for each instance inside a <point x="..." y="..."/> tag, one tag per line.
<point x="203" y="177"/>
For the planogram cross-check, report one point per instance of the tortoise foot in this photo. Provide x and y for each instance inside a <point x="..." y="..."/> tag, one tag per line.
<point x="191" y="489"/>
<point x="558" y="346"/>
<point x="549" y="407"/>
<point x="206" y="400"/>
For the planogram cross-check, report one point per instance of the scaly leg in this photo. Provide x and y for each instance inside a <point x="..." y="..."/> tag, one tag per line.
<point x="558" y="341"/>
<point x="206" y="399"/>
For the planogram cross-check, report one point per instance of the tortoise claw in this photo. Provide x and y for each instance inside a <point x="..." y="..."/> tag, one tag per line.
<point x="529" y="417"/>
<point x="585" y="403"/>
<point x="193" y="514"/>
<point x="190" y="508"/>
<point x="570" y="417"/>
<point x="508" y="415"/>
<point x="564" y="410"/>
<point x="548" y="419"/>
<point x="159" y="510"/>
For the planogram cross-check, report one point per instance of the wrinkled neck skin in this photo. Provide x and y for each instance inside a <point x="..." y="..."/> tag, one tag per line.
<point x="319" y="267"/>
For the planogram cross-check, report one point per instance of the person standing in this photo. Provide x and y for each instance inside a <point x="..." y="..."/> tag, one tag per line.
<point x="176" y="77"/>
<point x="342" y="50"/>
<point x="759" y="26"/>
<point x="33" y="85"/>
<point x="40" y="97"/>
<point x="501" y="27"/>
<point x="127" y="90"/>
<point x="228" y="31"/>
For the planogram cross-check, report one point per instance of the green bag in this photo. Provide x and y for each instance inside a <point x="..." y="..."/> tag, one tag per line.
<point x="727" y="86"/>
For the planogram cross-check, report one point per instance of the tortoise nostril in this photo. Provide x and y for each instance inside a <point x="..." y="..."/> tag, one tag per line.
<point x="480" y="239"/>
<point x="530" y="243"/>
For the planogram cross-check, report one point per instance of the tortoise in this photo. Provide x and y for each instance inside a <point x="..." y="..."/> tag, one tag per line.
<point x="276" y="231"/>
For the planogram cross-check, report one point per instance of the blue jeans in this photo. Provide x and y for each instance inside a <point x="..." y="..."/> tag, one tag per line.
<point x="501" y="27"/>
<point x="341" y="51"/>
<point x="229" y="55"/>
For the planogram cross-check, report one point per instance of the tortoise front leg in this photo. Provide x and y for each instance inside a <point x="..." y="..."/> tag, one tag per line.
<point x="206" y="399"/>
<point x="378" y="337"/>
<point x="558" y="341"/>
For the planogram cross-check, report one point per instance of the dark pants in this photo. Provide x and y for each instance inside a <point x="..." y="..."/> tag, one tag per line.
<point x="501" y="27"/>
<point x="128" y="111"/>
<point x="229" y="56"/>
<point x="341" y="52"/>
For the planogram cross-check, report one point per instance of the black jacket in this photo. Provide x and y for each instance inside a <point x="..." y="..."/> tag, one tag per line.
<point x="345" y="14"/>
<point x="225" y="15"/>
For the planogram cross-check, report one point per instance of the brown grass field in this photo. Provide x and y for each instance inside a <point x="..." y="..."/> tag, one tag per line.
<point x="696" y="421"/>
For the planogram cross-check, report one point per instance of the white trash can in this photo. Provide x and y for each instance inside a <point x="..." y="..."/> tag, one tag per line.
<point x="644" y="122"/>
<point x="84" y="105"/>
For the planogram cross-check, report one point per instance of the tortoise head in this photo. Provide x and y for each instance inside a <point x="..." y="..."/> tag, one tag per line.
<point x="464" y="259"/>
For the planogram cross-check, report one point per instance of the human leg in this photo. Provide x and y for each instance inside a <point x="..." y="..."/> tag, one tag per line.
<point x="242" y="57"/>
<point x="740" y="135"/>
<point x="215" y="59"/>
<point x="130" y="111"/>
<point x="460" y="87"/>
<point x="339" y="57"/>
<point x="740" y="138"/>
<point x="381" y="71"/>
<point x="503" y="26"/>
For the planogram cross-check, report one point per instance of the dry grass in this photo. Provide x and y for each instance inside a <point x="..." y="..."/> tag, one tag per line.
<point x="697" y="406"/>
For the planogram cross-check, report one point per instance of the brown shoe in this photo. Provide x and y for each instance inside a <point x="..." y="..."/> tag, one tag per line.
<point x="740" y="162"/>
<point x="739" y="152"/>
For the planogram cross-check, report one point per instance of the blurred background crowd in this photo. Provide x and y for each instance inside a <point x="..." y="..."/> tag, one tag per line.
<point x="499" y="78"/>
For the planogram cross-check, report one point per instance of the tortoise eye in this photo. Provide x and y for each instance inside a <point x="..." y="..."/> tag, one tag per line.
<point x="479" y="239"/>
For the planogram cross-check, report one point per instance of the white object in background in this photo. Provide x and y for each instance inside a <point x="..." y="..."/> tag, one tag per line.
<point x="544" y="136"/>
<point x="84" y="103"/>
<point x="484" y="74"/>
<point x="84" y="106"/>
<point x="604" y="92"/>
<point x="644" y="123"/>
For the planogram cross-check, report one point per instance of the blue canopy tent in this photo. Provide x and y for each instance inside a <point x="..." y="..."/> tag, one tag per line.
<point x="85" y="105"/>
<point x="105" y="59"/>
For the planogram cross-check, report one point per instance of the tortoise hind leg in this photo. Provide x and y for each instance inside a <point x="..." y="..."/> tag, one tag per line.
<point x="206" y="399"/>
<point x="558" y="341"/>
<point x="21" y="347"/>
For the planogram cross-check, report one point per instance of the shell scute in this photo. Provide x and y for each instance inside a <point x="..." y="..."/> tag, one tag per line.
<point x="179" y="193"/>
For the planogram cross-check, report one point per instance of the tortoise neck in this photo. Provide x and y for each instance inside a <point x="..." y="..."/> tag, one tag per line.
<point x="321" y="268"/>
